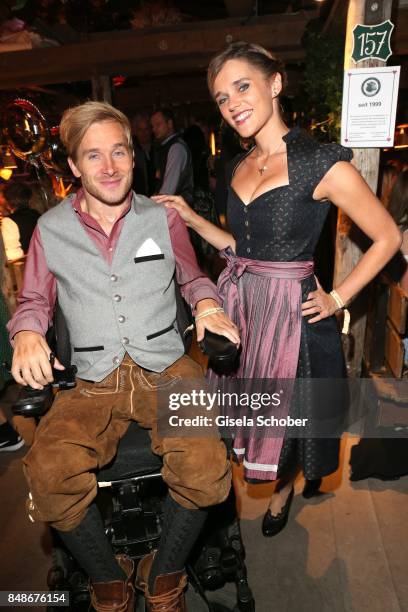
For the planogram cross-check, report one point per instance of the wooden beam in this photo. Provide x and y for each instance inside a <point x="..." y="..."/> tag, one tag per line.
<point x="160" y="51"/>
<point x="184" y="89"/>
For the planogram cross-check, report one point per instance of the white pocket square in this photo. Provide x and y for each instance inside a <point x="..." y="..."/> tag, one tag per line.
<point x="149" y="247"/>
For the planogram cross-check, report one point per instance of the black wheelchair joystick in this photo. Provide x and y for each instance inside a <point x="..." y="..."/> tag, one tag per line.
<point x="36" y="402"/>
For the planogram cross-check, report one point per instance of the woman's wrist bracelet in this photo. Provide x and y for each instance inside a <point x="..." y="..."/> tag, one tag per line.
<point x="342" y="306"/>
<point x="208" y="312"/>
<point x="337" y="299"/>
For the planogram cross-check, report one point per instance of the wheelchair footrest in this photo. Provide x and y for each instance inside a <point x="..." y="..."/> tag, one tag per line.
<point x="135" y="525"/>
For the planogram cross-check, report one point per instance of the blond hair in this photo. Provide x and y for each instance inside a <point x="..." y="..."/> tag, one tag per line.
<point x="76" y="121"/>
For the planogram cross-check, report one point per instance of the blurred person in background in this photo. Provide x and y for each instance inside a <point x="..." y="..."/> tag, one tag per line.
<point x="143" y="171"/>
<point x="173" y="160"/>
<point x="9" y="438"/>
<point x="4" y="207"/>
<point x="203" y="199"/>
<point x="18" y="227"/>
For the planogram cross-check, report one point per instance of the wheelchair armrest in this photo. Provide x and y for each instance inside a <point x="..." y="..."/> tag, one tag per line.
<point x="36" y="402"/>
<point x="221" y="352"/>
<point x="33" y="402"/>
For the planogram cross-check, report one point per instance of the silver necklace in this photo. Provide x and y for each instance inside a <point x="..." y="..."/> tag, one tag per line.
<point x="264" y="168"/>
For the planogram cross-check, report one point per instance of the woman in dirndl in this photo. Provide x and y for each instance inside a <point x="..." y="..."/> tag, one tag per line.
<point x="280" y="192"/>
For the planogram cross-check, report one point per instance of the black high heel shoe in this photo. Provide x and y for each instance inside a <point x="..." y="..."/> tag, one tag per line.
<point x="272" y="525"/>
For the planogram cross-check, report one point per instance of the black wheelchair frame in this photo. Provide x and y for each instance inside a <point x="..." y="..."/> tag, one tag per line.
<point x="130" y="497"/>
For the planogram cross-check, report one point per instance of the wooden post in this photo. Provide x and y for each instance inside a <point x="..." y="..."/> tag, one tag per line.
<point x="349" y="241"/>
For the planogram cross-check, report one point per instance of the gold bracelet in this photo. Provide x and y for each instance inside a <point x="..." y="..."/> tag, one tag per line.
<point x="337" y="299"/>
<point x="208" y="312"/>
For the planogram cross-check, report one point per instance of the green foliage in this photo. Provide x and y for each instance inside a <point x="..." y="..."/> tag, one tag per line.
<point x="319" y="101"/>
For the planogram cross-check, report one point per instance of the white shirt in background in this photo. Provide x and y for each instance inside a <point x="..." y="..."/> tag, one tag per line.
<point x="11" y="239"/>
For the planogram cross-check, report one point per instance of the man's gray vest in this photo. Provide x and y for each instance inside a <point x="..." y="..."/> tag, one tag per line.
<point x="126" y="307"/>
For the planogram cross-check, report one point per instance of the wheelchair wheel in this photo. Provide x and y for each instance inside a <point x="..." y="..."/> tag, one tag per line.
<point x="62" y="562"/>
<point x="64" y="575"/>
<point x="59" y="571"/>
<point x="77" y="587"/>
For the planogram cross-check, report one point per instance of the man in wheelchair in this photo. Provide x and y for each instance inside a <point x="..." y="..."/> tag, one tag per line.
<point x="109" y="257"/>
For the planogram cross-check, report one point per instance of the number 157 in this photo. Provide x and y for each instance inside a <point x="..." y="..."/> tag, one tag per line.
<point x="371" y="43"/>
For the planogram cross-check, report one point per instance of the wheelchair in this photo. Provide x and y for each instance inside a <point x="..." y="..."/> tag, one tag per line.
<point x="130" y="497"/>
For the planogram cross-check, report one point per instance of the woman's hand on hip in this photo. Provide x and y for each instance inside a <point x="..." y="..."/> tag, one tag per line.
<point x="319" y="303"/>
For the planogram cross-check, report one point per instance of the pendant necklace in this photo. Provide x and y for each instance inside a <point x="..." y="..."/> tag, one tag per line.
<point x="264" y="168"/>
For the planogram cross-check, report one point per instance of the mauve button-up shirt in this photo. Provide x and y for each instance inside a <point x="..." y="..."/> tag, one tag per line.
<point x="37" y="297"/>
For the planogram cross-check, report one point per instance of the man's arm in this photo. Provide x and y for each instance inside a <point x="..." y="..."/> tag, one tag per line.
<point x="194" y="285"/>
<point x="11" y="239"/>
<point x="32" y="318"/>
<point x="176" y="161"/>
<point x="37" y="297"/>
<point x="196" y="288"/>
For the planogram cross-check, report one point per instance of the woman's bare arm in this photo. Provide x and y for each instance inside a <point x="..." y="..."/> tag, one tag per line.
<point x="344" y="186"/>
<point x="217" y="237"/>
